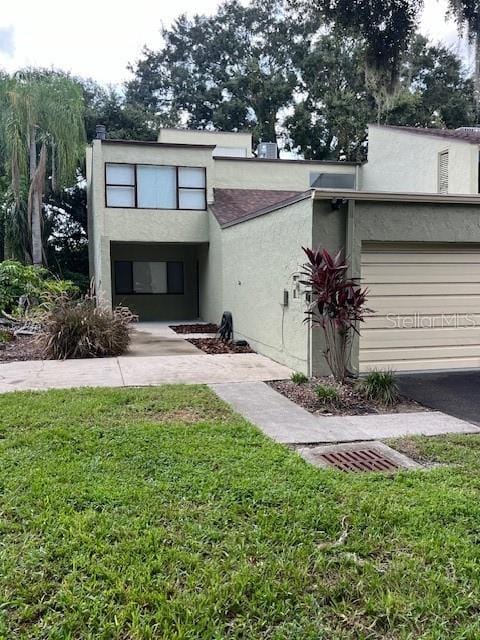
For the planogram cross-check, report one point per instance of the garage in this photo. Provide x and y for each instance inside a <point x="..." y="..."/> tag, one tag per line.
<point x="426" y="303"/>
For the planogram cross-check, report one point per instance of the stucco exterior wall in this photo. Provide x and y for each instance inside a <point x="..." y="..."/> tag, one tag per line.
<point x="99" y="247"/>
<point x="260" y="258"/>
<point x="241" y="140"/>
<point x="272" y="174"/>
<point x="403" y="161"/>
<point x="140" y="225"/>
<point x="211" y="274"/>
<point x="90" y="210"/>
<point x="387" y="222"/>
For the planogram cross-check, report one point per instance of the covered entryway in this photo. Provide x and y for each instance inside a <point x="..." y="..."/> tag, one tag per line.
<point x="426" y="299"/>
<point x="156" y="281"/>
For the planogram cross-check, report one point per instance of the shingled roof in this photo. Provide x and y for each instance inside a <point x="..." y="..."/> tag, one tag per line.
<point x="471" y="136"/>
<point x="232" y="206"/>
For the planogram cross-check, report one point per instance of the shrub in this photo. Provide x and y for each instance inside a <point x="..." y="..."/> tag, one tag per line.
<point x="36" y="285"/>
<point x="379" y="386"/>
<point x="298" y="378"/>
<point x="5" y="336"/>
<point x="327" y="394"/>
<point x="81" y="329"/>
<point x="337" y="306"/>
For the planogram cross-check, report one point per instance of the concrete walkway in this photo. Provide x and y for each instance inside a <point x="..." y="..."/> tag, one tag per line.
<point x="286" y="422"/>
<point x="157" y="339"/>
<point x="157" y="355"/>
<point x="139" y="371"/>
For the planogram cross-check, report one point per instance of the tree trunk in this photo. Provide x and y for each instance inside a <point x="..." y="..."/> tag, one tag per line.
<point x="476" y="78"/>
<point x="35" y="197"/>
<point x="32" y="152"/>
<point x="32" y="158"/>
<point x="36" y="230"/>
<point x="54" y="168"/>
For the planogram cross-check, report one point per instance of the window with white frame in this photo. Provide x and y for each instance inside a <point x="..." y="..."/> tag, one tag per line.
<point x="120" y="181"/>
<point x="148" y="186"/>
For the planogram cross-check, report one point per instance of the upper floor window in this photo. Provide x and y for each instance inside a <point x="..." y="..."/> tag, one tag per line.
<point x="148" y="186"/>
<point x="443" y="172"/>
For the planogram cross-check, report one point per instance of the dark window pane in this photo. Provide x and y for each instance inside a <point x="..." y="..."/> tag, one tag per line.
<point x="123" y="277"/>
<point x="175" y="277"/>
<point x="150" y="277"/>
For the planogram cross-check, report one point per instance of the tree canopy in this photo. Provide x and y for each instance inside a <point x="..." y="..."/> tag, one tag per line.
<point x="233" y="70"/>
<point x="312" y="74"/>
<point x="42" y="136"/>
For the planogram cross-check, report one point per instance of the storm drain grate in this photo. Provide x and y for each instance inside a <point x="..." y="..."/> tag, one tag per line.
<point x="358" y="460"/>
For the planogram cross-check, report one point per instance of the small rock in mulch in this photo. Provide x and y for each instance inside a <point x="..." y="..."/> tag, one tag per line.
<point x="21" y="348"/>
<point x="215" y="345"/>
<point x="350" y="401"/>
<point x="194" y="328"/>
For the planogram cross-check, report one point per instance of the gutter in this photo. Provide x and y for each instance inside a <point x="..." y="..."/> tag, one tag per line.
<point x="399" y="196"/>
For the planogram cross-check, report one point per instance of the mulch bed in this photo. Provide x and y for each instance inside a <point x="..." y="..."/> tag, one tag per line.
<point x="350" y="403"/>
<point x="20" y="348"/>
<point x="214" y="345"/>
<point x="194" y="328"/>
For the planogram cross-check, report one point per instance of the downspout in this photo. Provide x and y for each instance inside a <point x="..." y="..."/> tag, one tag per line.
<point x="349" y="236"/>
<point x="352" y="273"/>
<point x="309" y="324"/>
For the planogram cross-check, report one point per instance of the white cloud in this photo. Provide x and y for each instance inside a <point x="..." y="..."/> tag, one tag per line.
<point x="100" y="37"/>
<point x="96" y="38"/>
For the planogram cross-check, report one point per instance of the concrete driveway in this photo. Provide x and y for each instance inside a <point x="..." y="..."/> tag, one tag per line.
<point x="456" y="393"/>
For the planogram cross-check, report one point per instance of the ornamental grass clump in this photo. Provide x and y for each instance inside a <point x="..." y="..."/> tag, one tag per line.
<point x="82" y="329"/>
<point x="298" y="378"/>
<point x="379" y="386"/>
<point x="327" y="395"/>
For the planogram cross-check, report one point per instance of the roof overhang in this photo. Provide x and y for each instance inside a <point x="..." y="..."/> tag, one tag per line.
<point x="153" y="143"/>
<point x="387" y="196"/>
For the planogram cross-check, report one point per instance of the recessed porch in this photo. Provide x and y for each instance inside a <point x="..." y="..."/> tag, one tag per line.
<point x="157" y="281"/>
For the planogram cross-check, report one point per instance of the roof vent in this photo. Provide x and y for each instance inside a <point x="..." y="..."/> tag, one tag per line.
<point x="267" y="150"/>
<point x="100" y="132"/>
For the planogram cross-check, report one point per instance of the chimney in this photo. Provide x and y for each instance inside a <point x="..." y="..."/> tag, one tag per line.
<point x="100" y="132"/>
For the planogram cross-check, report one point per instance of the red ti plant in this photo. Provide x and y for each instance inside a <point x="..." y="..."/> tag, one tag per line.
<point x="337" y="306"/>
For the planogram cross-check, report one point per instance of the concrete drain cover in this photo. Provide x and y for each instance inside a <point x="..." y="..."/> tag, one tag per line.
<point x="364" y="456"/>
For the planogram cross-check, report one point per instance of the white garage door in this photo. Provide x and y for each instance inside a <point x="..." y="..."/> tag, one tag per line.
<point x="426" y="300"/>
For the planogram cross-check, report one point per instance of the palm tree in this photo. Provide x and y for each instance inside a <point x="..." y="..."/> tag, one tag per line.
<point x="42" y="139"/>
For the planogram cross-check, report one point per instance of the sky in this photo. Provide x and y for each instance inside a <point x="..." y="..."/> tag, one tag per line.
<point x="100" y="40"/>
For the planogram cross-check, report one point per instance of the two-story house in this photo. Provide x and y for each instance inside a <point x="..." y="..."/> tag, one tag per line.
<point x="195" y="224"/>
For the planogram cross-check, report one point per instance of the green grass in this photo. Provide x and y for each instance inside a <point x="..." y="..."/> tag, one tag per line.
<point x="157" y="513"/>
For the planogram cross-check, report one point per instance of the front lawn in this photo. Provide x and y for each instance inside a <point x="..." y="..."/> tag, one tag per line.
<point x="157" y="513"/>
